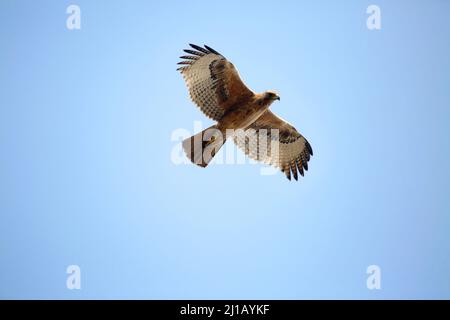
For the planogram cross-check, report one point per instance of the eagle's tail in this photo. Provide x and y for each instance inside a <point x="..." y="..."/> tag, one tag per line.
<point x="203" y="146"/>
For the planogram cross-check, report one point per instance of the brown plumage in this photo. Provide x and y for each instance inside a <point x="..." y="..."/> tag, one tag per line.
<point x="216" y="88"/>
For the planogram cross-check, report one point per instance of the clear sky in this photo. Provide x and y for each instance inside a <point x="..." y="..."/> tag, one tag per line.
<point x="86" y="176"/>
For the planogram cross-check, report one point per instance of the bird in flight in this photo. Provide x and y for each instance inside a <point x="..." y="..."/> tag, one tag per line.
<point x="215" y="87"/>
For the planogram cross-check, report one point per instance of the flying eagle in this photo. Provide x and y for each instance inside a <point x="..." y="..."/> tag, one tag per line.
<point x="216" y="88"/>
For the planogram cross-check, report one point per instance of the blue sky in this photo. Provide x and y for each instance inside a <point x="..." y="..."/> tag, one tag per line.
<point x="86" y="177"/>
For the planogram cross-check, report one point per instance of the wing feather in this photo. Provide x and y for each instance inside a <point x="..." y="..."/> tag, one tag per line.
<point x="213" y="82"/>
<point x="282" y="146"/>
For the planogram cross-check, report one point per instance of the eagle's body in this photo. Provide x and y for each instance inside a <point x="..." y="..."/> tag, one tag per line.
<point x="215" y="86"/>
<point x="241" y="115"/>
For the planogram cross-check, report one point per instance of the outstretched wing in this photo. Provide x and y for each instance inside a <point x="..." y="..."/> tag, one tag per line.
<point x="213" y="82"/>
<point x="293" y="152"/>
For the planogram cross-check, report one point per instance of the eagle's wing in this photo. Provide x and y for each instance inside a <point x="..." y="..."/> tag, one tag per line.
<point x="293" y="153"/>
<point x="213" y="82"/>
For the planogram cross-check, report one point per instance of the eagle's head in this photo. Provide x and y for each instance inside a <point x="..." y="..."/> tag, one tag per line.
<point x="271" y="96"/>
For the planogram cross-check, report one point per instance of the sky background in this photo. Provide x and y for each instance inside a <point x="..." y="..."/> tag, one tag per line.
<point x="86" y="176"/>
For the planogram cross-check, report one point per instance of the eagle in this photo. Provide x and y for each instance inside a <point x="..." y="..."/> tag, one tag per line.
<point x="216" y="88"/>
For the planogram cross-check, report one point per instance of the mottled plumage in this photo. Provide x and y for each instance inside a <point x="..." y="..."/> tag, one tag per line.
<point x="216" y="88"/>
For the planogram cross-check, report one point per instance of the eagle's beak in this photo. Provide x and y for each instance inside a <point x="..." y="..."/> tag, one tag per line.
<point x="278" y="98"/>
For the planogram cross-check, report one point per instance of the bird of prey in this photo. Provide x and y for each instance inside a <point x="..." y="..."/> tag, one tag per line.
<point x="215" y="87"/>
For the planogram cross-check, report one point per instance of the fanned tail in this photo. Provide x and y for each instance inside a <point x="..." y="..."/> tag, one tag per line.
<point x="202" y="147"/>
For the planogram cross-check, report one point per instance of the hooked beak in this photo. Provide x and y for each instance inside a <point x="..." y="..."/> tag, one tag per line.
<point x="277" y="98"/>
